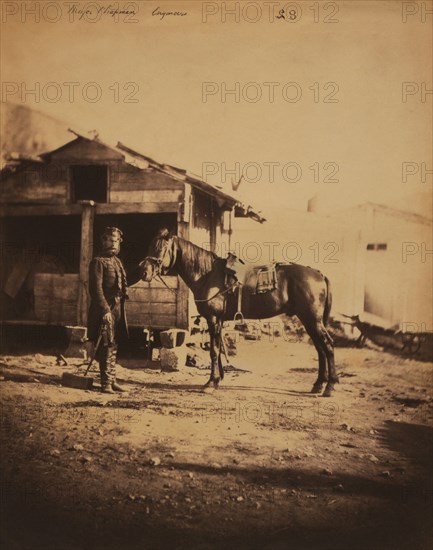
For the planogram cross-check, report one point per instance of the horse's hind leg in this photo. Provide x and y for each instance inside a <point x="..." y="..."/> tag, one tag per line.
<point x="325" y="350"/>
<point x="332" y="373"/>
<point x="322" y="377"/>
<point x="214" y="334"/>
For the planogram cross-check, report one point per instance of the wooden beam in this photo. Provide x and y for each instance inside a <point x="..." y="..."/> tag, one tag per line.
<point x="184" y="209"/>
<point x="40" y="210"/>
<point x="146" y="196"/>
<point x="137" y="208"/>
<point x="86" y="254"/>
<point x="182" y="309"/>
<point x="76" y="209"/>
<point x="138" y="182"/>
<point x="30" y="322"/>
<point x="213" y="226"/>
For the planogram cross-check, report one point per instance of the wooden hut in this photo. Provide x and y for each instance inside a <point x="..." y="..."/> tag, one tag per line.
<point x="54" y="207"/>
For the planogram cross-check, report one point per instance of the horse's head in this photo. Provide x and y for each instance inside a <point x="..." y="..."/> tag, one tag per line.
<point x="161" y="258"/>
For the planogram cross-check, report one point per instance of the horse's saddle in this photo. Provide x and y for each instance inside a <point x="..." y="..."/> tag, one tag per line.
<point x="258" y="278"/>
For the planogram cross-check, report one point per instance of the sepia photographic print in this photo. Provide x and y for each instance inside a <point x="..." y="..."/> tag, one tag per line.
<point x="216" y="275"/>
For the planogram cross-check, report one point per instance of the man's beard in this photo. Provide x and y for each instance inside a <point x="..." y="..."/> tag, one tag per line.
<point x="111" y="251"/>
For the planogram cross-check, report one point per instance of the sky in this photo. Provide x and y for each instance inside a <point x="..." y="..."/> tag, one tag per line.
<point x="337" y="123"/>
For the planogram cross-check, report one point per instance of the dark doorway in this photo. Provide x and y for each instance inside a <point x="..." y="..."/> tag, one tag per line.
<point x="30" y="245"/>
<point x="89" y="182"/>
<point x="138" y="231"/>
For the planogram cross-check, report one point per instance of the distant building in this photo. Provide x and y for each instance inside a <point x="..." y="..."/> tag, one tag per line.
<point x="397" y="250"/>
<point x="379" y="259"/>
<point x="331" y="246"/>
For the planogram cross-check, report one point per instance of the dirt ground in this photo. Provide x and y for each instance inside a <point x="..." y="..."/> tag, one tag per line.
<point x="260" y="463"/>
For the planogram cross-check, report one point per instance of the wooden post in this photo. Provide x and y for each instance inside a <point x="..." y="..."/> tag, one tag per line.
<point x="86" y="254"/>
<point x="182" y="309"/>
<point x="213" y="226"/>
<point x="231" y="213"/>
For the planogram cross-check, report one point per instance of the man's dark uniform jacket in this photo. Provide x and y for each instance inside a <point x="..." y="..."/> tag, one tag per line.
<point x="108" y="291"/>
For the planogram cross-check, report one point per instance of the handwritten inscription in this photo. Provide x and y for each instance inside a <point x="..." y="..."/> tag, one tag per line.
<point x="158" y="12"/>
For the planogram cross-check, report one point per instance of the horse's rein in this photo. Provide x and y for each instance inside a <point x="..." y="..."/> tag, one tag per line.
<point x="159" y="261"/>
<point x="220" y="293"/>
<point x="158" y="276"/>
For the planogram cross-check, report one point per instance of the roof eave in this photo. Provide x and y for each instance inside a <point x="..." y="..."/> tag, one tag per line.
<point x="225" y="201"/>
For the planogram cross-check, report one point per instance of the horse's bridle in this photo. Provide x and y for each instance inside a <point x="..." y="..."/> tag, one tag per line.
<point x="158" y="269"/>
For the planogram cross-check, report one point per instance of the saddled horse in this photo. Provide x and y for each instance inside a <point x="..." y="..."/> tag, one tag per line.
<point x="299" y="290"/>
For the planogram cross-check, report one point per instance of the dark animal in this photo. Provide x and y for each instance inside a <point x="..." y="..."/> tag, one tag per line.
<point x="410" y="342"/>
<point x="299" y="290"/>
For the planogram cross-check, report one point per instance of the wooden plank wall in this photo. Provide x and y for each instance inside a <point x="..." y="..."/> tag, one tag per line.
<point x="84" y="151"/>
<point x="38" y="183"/>
<point x="149" y="304"/>
<point x="56" y="298"/>
<point x="129" y="185"/>
<point x="152" y="304"/>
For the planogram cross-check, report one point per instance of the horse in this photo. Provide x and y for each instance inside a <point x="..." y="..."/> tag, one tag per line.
<point x="299" y="290"/>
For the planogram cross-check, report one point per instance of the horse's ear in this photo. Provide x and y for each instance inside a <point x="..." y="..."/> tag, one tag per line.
<point x="164" y="233"/>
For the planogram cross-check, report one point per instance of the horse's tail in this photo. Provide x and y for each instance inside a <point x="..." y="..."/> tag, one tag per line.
<point x="328" y="301"/>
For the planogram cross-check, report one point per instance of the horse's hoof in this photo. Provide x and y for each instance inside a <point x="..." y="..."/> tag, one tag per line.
<point x="317" y="388"/>
<point x="208" y="389"/>
<point x="328" y="391"/>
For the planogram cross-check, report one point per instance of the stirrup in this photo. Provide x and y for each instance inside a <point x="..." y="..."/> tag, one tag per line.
<point x="239" y="320"/>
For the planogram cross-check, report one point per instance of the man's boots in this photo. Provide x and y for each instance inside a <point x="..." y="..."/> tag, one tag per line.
<point x="112" y="369"/>
<point x="118" y="388"/>
<point x="108" y="371"/>
<point x="106" y="368"/>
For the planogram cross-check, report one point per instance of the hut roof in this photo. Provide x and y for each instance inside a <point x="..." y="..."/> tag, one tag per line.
<point x="143" y="162"/>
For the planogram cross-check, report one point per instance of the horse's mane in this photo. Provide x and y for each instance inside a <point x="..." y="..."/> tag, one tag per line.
<point x="196" y="260"/>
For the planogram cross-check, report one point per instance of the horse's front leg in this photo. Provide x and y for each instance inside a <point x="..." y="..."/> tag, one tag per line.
<point x="214" y="354"/>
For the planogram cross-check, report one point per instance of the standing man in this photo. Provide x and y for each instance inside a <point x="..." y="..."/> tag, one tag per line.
<point x="108" y="291"/>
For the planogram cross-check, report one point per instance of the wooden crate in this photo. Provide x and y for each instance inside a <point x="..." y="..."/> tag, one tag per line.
<point x="152" y="304"/>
